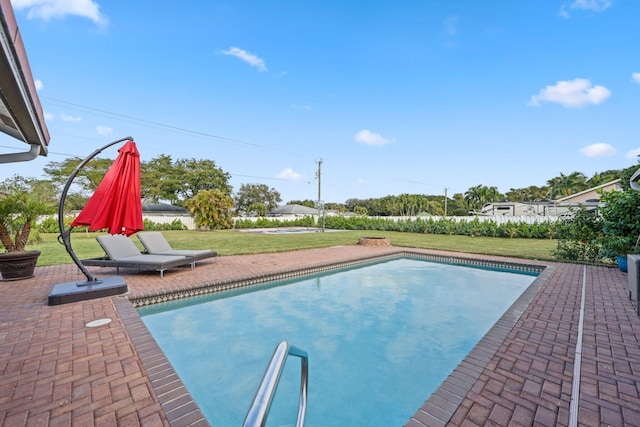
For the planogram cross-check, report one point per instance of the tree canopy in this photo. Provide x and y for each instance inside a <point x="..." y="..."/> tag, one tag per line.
<point x="176" y="181"/>
<point x="87" y="179"/>
<point x="161" y="178"/>
<point x="250" y="198"/>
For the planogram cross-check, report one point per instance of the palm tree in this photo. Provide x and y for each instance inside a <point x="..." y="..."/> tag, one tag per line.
<point x="566" y="185"/>
<point x="479" y="195"/>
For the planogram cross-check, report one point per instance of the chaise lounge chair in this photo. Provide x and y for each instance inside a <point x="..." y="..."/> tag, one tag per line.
<point x="155" y="243"/>
<point x="122" y="252"/>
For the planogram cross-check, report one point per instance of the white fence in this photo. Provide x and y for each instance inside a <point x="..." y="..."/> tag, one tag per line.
<point x="498" y="219"/>
<point x="188" y="221"/>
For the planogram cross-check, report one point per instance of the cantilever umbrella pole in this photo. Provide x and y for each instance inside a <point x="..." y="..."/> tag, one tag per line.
<point x="65" y="235"/>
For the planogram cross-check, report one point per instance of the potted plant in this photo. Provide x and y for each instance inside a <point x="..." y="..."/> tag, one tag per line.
<point x="21" y="202"/>
<point x="618" y="247"/>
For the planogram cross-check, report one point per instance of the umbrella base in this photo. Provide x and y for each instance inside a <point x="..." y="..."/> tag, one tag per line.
<point x="64" y="293"/>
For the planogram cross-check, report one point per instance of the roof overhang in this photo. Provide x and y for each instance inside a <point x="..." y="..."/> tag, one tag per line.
<point x="21" y="114"/>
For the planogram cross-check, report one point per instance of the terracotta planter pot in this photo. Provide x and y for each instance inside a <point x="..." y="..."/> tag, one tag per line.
<point x="18" y="265"/>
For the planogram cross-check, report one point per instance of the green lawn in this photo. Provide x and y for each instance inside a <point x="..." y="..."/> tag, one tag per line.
<point x="228" y="242"/>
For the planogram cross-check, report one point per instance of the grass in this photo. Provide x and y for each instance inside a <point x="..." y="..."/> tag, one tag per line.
<point x="230" y="242"/>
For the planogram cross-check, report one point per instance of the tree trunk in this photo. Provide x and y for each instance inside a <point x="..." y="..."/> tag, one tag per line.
<point x="5" y="238"/>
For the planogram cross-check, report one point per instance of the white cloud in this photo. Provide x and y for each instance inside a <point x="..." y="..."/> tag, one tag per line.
<point x="104" y="130"/>
<point x="582" y="5"/>
<point x="38" y="84"/>
<point x="245" y="56"/>
<point x="599" y="149"/>
<point x="593" y="5"/>
<point x="48" y="9"/>
<point x="370" y="138"/>
<point x="571" y="93"/>
<point x="635" y="77"/>
<point x="66" y="118"/>
<point x="48" y="116"/>
<point x="633" y="154"/>
<point x="290" y="175"/>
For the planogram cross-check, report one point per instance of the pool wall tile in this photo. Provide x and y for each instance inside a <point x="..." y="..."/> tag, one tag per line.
<point x="154" y="297"/>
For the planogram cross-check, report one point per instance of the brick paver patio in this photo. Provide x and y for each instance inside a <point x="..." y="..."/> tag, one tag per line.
<point x="56" y="371"/>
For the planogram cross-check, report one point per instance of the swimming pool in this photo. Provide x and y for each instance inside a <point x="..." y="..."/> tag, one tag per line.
<point x="380" y="338"/>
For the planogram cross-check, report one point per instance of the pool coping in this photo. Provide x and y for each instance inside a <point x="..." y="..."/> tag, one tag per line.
<point x="182" y="410"/>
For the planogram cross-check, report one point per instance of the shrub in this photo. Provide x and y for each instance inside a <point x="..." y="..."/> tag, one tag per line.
<point x="50" y="225"/>
<point x="262" y="222"/>
<point x="176" y="224"/>
<point x="620" y="222"/>
<point x="578" y="236"/>
<point x="475" y="227"/>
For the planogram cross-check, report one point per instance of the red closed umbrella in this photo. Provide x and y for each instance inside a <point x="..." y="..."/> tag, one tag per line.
<point x="116" y="203"/>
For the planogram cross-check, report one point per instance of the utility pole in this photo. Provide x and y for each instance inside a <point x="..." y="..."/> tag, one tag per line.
<point x="445" y="201"/>
<point x="320" y="202"/>
<point x="318" y="173"/>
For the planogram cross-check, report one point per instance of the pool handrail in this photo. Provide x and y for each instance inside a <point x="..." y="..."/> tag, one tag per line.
<point x="259" y="410"/>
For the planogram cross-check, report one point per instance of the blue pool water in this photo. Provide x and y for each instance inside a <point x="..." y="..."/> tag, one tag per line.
<point x="381" y="338"/>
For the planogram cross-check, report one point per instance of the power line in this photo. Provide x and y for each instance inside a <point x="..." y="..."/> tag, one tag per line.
<point x="230" y="173"/>
<point x="150" y="123"/>
<point x="48" y="151"/>
<point x="264" y="177"/>
<point x="173" y="128"/>
<point x="62" y="103"/>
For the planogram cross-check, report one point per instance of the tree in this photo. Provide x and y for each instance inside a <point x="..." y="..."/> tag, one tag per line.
<point x="566" y="185"/>
<point x="250" y="194"/>
<point x="307" y="202"/>
<point x="360" y="210"/>
<point x="435" y="208"/>
<point x="338" y="207"/>
<point x="458" y="206"/>
<point x="368" y="204"/>
<point x="529" y="194"/>
<point x="163" y="179"/>
<point x="199" y="175"/>
<point x="159" y="180"/>
<point x="480" y="195"/>
<point x="257" y="208"/>
<point x="87" y="179"/>
<point x="625" y="176"/>
<point x="212" y="209"/>
<point x="600" y="178"/>
<point x="22" y="200"/>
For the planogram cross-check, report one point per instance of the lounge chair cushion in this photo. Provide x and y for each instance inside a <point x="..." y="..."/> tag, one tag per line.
<point x="155" y="243"/>
<point x="123" y="253"/>
<point x="117" y="246"/>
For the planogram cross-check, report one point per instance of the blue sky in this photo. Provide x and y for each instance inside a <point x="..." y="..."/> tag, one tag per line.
<point x="394" y="97"/>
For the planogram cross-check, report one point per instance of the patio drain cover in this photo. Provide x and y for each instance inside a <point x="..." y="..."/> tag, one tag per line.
<point x="98" y="322"/>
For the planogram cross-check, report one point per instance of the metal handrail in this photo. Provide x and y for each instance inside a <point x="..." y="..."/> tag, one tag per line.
<point x="259" y="410"/>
